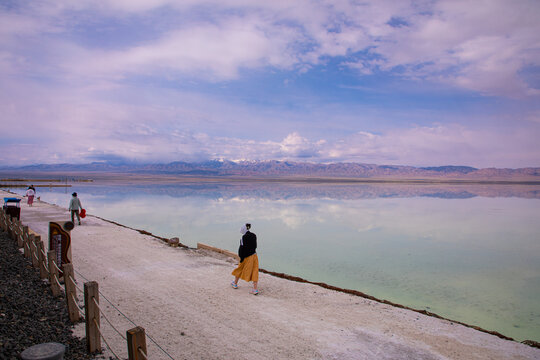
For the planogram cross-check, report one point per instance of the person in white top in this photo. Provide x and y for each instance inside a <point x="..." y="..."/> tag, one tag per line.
<point x="74" y="207"/>
<point x="30" y="193"/>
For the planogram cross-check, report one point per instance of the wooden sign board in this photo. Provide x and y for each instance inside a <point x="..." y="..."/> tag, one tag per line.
<point x="60" y="241"/>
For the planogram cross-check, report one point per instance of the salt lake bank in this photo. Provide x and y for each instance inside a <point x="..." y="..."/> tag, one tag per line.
<point x="183" y="300"/>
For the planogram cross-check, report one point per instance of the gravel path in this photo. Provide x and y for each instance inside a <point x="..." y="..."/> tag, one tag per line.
<point x="29" y="314"/>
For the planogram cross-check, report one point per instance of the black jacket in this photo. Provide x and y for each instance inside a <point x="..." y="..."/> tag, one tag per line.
<point x="249" y="241"/>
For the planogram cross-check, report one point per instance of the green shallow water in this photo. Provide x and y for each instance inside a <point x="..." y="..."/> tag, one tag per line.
<point x="468" y="253"/>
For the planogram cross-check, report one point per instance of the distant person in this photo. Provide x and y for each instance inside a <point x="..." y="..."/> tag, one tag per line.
<point x="74" y="206"/>
<point x="30" y="193"/>
<point x="248" y="269"/>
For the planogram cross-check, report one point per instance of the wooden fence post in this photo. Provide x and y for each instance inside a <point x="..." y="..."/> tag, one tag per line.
<point x="53" y="273"/>
<point x="34" y="251"/>
<point x="5" y="221"/>
<point x="71" y="292"/>
<point x="19" y="229"/>
<point x="16" y="225"/>
<point x="20" y="239"/>
<point x="27" y="249"/>
<point x="42" y="260"/>
<point x="26" y="239"/>
<point x="13" y="228"/>
<point x="91" y="314"/>
<point x="9" y="226"/>
<point x="136" y="342"/>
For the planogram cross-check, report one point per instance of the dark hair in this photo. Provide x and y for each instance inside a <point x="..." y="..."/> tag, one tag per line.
<point x="248" y="226"/>
<point x="74" y="194"/>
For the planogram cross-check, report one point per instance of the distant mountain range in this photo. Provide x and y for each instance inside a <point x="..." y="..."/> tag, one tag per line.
<point x="280" y="169"/>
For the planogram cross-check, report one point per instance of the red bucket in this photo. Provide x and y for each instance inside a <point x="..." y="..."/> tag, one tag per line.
<point x="83" y="213"/>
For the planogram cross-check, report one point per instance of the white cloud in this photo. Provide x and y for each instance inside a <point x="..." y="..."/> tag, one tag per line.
<point x="201" y="51"/>
<point x="59" y="127"/>
<point x="295" y="146"/>
<point x="479" y="46"/>
<point x="439" y="144"/>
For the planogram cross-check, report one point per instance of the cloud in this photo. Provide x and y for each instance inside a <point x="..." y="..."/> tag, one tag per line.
<point x="203" y="51"/>
<point x="462" y="44"/>
<point x="53" y="124"/>
<point x="93" y="131"/>
<point x="295" y="146"/>
<point x="449" y="144"/>
<point x="454" y="42"/>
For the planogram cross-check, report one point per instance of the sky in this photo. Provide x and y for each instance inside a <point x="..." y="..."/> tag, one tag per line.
<point x="421" y="83"/>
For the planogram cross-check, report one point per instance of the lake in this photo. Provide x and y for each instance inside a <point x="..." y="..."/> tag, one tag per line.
<point x="470" y="253"/>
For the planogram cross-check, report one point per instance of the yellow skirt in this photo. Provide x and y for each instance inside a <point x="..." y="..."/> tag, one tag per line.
<point x="248" y="270"/>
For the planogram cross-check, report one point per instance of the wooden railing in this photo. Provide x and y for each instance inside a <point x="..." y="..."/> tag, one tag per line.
<point x="34" y="250"/>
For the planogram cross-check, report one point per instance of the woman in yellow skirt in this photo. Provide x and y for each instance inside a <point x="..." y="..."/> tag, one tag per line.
<point x="248" y="269"/>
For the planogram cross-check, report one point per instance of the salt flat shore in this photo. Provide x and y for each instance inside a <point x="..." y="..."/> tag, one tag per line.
<point x="182" y="298"/>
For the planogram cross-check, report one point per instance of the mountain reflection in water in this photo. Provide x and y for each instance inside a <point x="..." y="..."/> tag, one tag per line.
<point x="302" y="190"/>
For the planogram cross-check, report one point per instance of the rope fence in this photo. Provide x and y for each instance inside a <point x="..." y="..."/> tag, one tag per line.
<point x="81" y="311"/>
<point x="44" y="256"/>
<point x="127" y="318"/>
<point x="57" y="282"/>
<point x="33" y="249"/>
<point x="143" y="354"/>
<point x="102" y="314"/>
<point x="70" y="278"/>
<point x="56" y="266"/>
<point x="106" y="343"/>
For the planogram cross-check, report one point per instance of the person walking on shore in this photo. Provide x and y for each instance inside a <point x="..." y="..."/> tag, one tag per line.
<point x="30" y="193"/>
<point x="74" y="206"/>
<point x="248" y="269"/>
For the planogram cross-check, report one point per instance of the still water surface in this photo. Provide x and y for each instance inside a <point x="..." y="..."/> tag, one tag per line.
<point x="469" y="253"/>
